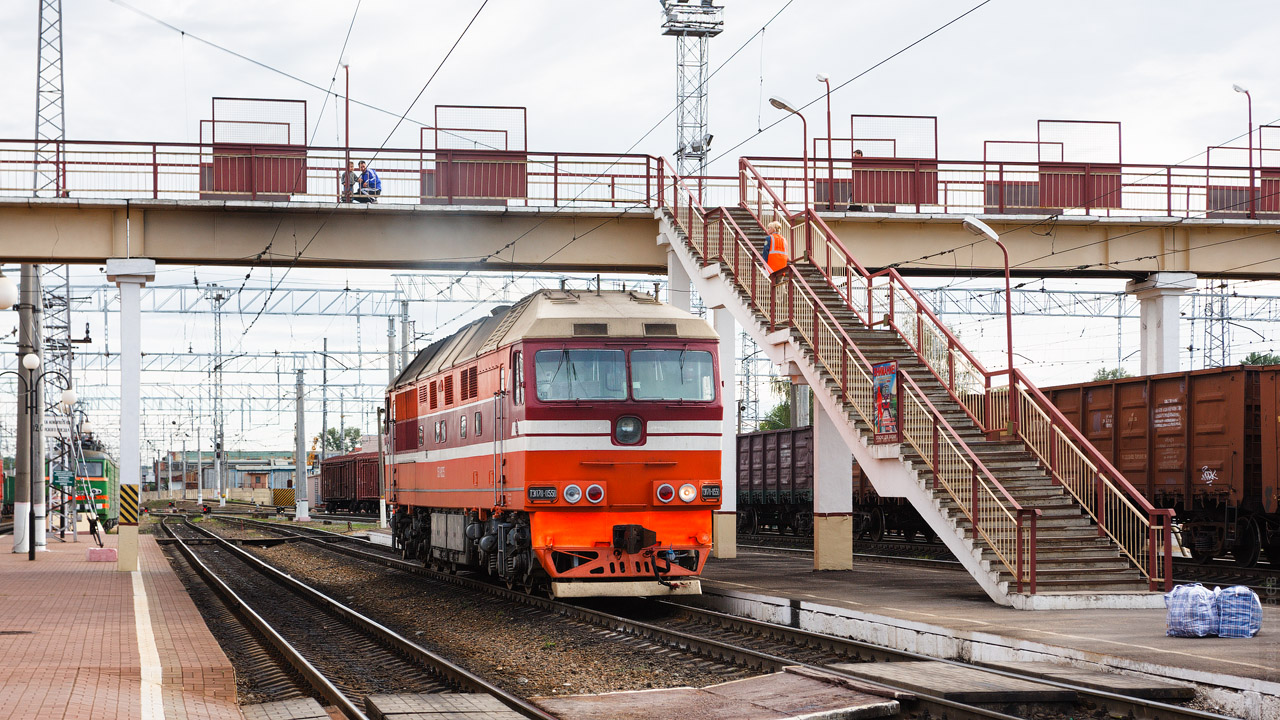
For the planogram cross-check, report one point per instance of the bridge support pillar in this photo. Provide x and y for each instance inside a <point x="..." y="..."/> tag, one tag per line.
<point x="1158" y="297"/>
<point x="724" y="522"/>
<point x="832" y="497"/>
<point x="679" y="286"/>
<point x="130" y="274"/>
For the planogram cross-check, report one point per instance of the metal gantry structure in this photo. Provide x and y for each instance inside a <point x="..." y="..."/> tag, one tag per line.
<point x="692" y="24"/>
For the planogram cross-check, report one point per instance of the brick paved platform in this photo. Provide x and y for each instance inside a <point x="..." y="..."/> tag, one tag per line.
<point x="71" y="646"/>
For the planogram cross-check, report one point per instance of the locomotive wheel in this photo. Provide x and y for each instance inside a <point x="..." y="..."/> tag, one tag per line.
<point x="877" y="525"/>
<point x="750" y="521"/>
<point x="1248" y="543"/>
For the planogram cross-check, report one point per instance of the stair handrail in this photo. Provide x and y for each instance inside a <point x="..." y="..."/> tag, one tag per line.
<point x="964" y="377"/>
<point x="979" y="403"/>
<point x="1101" y="489"/>
<point x="999" y="512"/>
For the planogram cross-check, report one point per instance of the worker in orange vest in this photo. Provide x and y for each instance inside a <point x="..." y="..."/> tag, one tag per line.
<point x="775" y="252"/>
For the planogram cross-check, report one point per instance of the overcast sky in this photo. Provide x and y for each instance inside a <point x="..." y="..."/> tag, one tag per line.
<point x="597" y="76"/>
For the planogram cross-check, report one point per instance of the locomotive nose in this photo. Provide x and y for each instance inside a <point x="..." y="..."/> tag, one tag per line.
<point x="633" y="538"/>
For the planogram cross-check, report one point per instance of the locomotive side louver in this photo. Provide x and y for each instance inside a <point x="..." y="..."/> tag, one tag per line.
<point x="660" y="329"/>
<point x="590" y="329"/>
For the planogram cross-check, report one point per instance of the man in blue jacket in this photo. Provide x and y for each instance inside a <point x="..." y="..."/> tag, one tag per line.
<point x="370" y="185"/>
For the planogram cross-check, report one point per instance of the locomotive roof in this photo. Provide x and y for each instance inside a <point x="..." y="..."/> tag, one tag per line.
<point x="559" y="314"/>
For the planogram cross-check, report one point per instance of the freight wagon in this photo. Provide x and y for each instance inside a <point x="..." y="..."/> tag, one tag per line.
<point x="1203" y="443"/>
<point x="349" y="483"/>
<point x="775" y="490"/>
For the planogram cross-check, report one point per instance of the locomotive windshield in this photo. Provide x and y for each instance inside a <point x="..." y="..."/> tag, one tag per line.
<point x="90" y="468"/>
<point x="582" y="374"/>
<point x="671" y="375"/>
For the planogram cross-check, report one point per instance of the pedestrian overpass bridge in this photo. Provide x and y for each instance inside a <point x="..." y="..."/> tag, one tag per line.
<point x="441" y="209"/>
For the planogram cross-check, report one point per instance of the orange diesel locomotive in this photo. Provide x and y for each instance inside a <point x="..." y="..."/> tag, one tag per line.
<point x="569" y="443"/>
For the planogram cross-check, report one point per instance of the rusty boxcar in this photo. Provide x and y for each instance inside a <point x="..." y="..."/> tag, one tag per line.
<point x="349" y="482"/>
<point x="1203" y="443"/>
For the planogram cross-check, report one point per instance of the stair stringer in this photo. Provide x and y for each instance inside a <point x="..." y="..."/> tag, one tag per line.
<point x="889" y="472"/>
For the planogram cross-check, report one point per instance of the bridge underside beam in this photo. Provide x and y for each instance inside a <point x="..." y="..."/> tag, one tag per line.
<point x="1071" y="245"/>
<point x="225" y="233"/>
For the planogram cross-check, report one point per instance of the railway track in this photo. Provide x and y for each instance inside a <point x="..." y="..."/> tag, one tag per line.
<point x="262" y="673"/>
<point x="354" y="657"/>
<point x="758" y="645"/>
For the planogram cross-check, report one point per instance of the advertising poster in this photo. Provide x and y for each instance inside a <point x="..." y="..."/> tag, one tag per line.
<point x="884" y="382"/>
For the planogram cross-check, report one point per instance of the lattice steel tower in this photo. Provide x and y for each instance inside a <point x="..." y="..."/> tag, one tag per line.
<point x="692" y="24"/>
<point x="50" y="122"/>
<point x="1217" y="326"/>
<point x="46" y="181"/>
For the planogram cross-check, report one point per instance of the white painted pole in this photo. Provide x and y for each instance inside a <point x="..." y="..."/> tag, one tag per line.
<point x="300" y="461"/>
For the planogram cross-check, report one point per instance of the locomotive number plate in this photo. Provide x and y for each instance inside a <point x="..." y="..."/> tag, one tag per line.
<point x="542" y="494"/>
<point x="710" y="492"/>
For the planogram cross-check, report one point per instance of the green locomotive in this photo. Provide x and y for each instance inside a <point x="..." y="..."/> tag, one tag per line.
<point x="97" y="485"/>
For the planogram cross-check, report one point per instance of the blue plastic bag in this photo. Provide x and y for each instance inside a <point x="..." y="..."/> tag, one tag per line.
<point x="1239" y="612"/>
<point x="1192" y="611"/>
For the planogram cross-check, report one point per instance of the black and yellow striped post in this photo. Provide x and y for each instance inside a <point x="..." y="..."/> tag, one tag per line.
<point x="128" y="504"/>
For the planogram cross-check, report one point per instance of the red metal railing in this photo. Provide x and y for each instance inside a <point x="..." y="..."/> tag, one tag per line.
<point x="195" y="171"/>
<point x="240" y="171"/>
<point x="1007" y="528"/>
<point x="1121" y="512"/>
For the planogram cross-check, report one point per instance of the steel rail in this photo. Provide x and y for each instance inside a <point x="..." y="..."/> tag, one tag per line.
<point x="313" y="676"/>
<point x="1123" y="705"/>
<point x="1117" y="704"/>
<point x="713" y="649"/>
<point x="455" y="673"/>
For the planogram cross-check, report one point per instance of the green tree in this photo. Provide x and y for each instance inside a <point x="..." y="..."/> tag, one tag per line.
<point x="344" y="441"/>
<point x="779" y="418"/>
<point x="1110" y="374"/>
<point x="1259" y="358"/>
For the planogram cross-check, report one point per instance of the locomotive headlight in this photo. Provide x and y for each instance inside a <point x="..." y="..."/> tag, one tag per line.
<point x="627" y="430"/>
<point x="572" y="493"/>
<point x="666" y="493"/>
<point x="595" y="494"/>
<point x="688" y="492"/>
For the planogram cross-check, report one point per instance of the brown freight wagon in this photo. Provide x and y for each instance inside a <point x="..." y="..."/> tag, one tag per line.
<point x="1203" y="443"/>
<point x="775" y="490"/>
<point x="349" y="482"/>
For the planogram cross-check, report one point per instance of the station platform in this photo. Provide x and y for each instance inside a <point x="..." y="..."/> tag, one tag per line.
<point x="80" y="639"/>
<point x="941" y="612"/>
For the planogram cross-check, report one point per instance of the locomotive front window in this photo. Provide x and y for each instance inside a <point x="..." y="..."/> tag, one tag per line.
<point x="672" y="375"/>
<point x="90" y="468"/>
<point x="580" y="374"/>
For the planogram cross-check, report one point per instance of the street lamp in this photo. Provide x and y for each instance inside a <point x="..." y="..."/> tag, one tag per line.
<point x="346" y="121"/>
<point x="1253" y="211"/>
<point x="784" y="105"/>
<point x="831" y="163"/>
<point x="31" y="361"/>
<point x="981" y="229"/>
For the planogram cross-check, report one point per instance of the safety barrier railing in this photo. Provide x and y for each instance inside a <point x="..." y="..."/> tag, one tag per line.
<point x="1142" y="531"/>
<point x="193" y="171"/>
<point x="884" y="298"/>
<point x="988" y="187"/>
<point x="1007" y="528"/>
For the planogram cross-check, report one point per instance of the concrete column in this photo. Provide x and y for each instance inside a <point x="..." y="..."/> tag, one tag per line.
<point x="1158" y="298"/>
<point x="29" y="298"/>
<point x="832" y="497"/>
<point x="724" y="522"/>
<point x="799" y="403"/>
<point x="391" y="350"/>
<point x="678" y="283"/>
<point x="130" y="274"/>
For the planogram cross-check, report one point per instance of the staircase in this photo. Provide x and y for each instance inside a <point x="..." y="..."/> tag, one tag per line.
<point x="1042" y="539"/>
